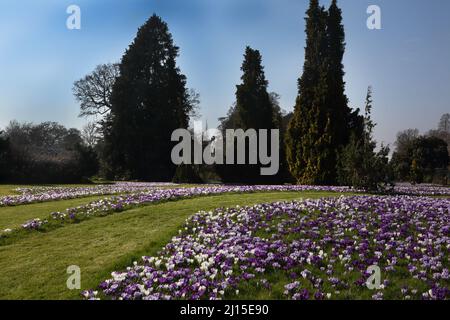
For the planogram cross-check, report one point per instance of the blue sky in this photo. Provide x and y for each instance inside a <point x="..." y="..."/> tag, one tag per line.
<point x="407" y="62"/>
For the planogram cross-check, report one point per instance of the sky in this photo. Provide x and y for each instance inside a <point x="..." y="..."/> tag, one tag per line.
<point x="407" y="62"/>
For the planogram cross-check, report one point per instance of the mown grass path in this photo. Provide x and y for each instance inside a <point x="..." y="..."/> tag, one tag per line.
<point x="35" y="267"/>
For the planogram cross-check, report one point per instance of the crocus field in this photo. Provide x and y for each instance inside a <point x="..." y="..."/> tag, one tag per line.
<point x="137" y="197"/>
<point x="316" y="247"/>
<point x="323" y="247"/>
<point x="41" y="194"/>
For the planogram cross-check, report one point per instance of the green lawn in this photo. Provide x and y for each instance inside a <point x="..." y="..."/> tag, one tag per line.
<point x="8" y="189"/>
<point x="35" y="267"/>
<point x="13" y="217"/>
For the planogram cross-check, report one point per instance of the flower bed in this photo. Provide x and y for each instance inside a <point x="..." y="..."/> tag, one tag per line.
<point x="43" y="194"/>
<point x="120" y="203"/>
<point x="422" y="190"/>
<point x="320" y="249"/>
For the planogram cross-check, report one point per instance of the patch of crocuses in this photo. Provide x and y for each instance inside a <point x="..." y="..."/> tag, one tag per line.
<point x="320" y="249"/>
<point x="43" y="194"/>
<point x="120" y="203"/>
<point x="34" y="224"/>
<point x="422" y="189"/>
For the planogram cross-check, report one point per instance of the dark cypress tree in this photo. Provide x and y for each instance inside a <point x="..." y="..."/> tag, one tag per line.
<point x="347" y="122"/>
<point x="309" y="147"/>
<point x="253" y="104"/>
<point x="253" y="110"/>
<point x="149" y="101"/>
<point x="337" y="101"/>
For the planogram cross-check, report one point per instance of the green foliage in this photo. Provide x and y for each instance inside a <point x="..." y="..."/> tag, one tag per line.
<point x="362" y="168"/>
<point x="149" y="101"/>
<point x="402" y="157"/>
<point x="430" y="153"/>
<point x="358" y="163"/>
<point x="420" y="158"/>
<point x="322" y="122"/>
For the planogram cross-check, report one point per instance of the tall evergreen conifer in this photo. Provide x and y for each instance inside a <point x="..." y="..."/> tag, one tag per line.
<point x="337" y="101"/>
<point x="149" y="101"/>
<point x="322" y="123"/>
<point x="253" y="104"/>
<point x="309" y="138"/>
<point x="253" y="110"/>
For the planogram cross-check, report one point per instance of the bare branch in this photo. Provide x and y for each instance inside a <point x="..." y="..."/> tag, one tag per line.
<point x="93" y="92"/>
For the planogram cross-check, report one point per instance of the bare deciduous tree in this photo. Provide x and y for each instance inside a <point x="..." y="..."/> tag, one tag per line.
<point x="90" y="134"/>
<point x="443" y="130"/>
<point x="194" y="101"/>
<point x="93" y="92"/>
<point x="405" y="138"/>
<point x="444" y="123"/>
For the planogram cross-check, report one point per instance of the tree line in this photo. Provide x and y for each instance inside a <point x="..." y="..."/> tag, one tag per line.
<point x="140" y="101"/>
<point x="423" y="158"/>
<point x="45" y="153"/>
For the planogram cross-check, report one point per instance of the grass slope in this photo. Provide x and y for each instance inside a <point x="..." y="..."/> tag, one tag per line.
<point x="35" y="267"/>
